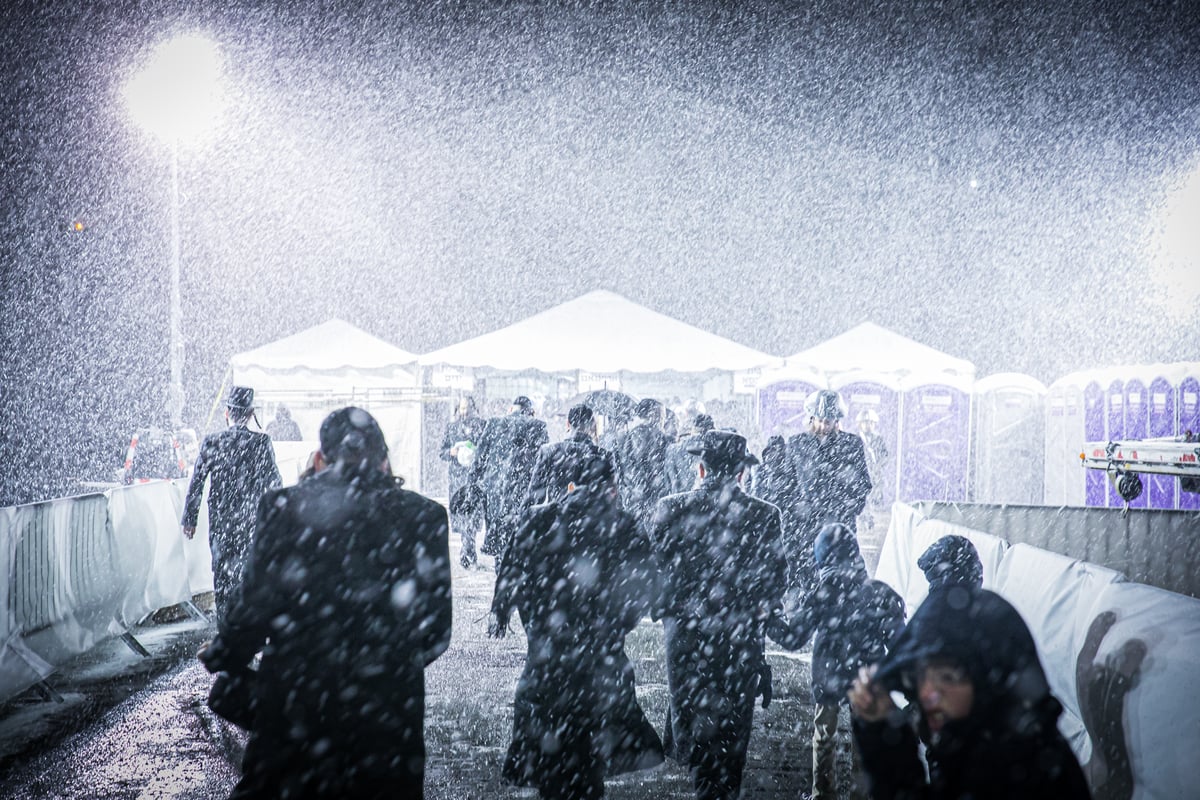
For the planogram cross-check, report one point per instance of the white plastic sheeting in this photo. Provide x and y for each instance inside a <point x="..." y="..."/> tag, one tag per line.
<point x="82" y="569"/>
<point x="1120" y="654"/>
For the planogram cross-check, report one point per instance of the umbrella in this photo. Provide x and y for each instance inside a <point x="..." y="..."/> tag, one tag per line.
<point x="607" y="402"/>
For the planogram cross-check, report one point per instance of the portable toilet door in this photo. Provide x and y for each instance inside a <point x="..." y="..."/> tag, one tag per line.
<point x="781" y="407"/>
<point x="1189" y="421"/>
<point x="1160" y="489"/>
<point x="935" y="438"/>
<point x="879" y="393"/>
<point x="1094" y="430"/>
<point x="1010" y="440"/>
<point x="1137" y="426"/>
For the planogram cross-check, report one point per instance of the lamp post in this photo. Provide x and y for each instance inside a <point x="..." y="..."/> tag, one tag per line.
<point x="176" y="97"/>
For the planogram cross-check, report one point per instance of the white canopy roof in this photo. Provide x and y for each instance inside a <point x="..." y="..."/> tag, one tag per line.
<point x="600" y="332"/>
<point x="871" y="348"/>
<point x="332" y="345"/>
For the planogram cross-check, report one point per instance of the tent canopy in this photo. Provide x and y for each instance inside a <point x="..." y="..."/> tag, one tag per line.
<point x="600" y="332"/>
<point x="872" y="348"/>
<point x="332" y="345"/>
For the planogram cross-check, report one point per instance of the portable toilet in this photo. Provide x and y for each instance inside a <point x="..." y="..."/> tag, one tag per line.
<point x="1010" y="439"/>
<point x="935" y="437"/>
<point x="1065" y="480"/>
<point x="1162" y="403"/>
<point x="1188" y="405"/>
<point x="867" y="391"/>
<point x="781" y="396"/>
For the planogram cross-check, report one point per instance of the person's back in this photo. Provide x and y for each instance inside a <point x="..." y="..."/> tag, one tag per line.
<point x="240" y="466"/>
<point x="347" y="592"/>
<point x="641" y="455"/>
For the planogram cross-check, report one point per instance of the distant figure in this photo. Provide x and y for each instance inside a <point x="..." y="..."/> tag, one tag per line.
<point x="876" y="452"/>
<point x="641" y="454"/>
<point x="720" y="553"/>
<point x="562" y="463"/>
<point x="853" y="618"/>
<point x="283" y="428"/>
<point x="504" y="461"/>
<point x="347" y="594"/>
<point x="951" y="561"/>
<point x="969" y="665"/>
<point x="832" y="481"/>
<point x="459" y="449"/>
<point x="240" y="466"/>
<point x="582" y="575"/>
<point x="681" y="465"/>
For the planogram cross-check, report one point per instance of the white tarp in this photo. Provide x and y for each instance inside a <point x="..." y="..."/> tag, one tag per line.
<point x="600" y="332"/>
<point x="146" y="526"/>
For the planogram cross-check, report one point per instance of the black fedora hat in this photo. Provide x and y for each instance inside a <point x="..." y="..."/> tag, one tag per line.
<point x="723" y="450"/>
<point x="240" y="398"/>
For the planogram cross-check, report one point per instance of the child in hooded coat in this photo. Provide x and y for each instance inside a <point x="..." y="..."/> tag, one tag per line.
<point x="985" y="713"/>
<point x="853" y="618"/>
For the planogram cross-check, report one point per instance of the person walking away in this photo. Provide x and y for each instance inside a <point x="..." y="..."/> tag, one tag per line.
<point x="239" y="465"/>
<point x="347" y="594"/>
<point x="832" y="481"/>
<point x="283" y="428"/>
<point x="852" y="619"/>
<point x="562" y="463"/>
<point x="503" y="468"/>
<point x="681" y="465"/>
<point x="969" y="665"/>
<point x="458" y="450"/>
<point x="641" y="455"/>
<point x="720" y="555"/>
<point x="581" y="574"/>
<point x="876" y="452"/>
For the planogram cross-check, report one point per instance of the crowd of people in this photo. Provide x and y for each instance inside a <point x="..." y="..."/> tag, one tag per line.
<point x="341" y="586"/>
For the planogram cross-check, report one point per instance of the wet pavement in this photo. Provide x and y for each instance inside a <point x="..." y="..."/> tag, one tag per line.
<point x="133" y="727"/>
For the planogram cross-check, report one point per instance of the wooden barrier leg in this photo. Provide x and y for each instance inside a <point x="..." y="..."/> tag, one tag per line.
<point x="47" y="692"/>
<point x="135" y="645"/>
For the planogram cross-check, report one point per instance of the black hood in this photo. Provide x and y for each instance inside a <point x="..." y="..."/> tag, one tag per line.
<point x="952" y="560"/>
<point x="983" y="632"/>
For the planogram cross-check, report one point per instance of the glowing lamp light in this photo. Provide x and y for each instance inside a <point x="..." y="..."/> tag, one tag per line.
<point x="177" y="94"/>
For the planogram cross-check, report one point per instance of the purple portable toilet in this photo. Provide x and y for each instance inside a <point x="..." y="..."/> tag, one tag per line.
<point x="781" y="401"/>
<point x="935" y="439"/>
<point x="861" y="392"/>
<point x="1137" y="426"/>
<point x="1094" y="430"/>
<point x="1114" y="414"/>
<point x="1189" y="420"/>
<point x="1160" y="489"/>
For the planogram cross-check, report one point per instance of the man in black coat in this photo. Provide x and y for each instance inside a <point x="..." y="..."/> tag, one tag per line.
<point x="458" y="450"/>
<point x="681" y="465"/>
<point x="582" y="575"/>
<point x="641" y="454"/>
<point x="347" y="593"/>
<point x="563" y="463"/>
<point x="240" y="465"/>
<point x="832" y="481"/>
<point x="724" y="573"/>
<point x="503" y="467"/>
<point x="970" y="668"/>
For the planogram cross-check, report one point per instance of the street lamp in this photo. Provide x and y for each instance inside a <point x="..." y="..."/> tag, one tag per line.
<point x="176" y="97"/>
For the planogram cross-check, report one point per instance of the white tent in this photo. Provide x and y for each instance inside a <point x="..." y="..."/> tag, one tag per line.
<point x="600" y="332"/>
<point x="873" y="349"/>
<point x="331" y="365"/>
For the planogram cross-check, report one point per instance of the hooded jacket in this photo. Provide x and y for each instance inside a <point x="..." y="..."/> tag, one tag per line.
<point x="1008" y="746"/>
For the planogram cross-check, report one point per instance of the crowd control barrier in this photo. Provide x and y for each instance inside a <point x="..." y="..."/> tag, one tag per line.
<point x="80" y="570"/>
<point x="1120" y="656"/>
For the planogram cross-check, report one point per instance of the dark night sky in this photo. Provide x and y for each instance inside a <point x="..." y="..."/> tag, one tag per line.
<point x="983" y="177"/>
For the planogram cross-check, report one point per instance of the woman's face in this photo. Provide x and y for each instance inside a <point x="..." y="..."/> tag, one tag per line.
<point x="945" y="692"/>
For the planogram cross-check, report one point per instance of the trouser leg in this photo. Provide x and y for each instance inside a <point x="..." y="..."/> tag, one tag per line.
<point x="824" y="744"/>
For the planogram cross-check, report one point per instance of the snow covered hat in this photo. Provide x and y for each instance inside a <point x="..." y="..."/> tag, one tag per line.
<point x="723" y="451"/>
<point x="240" y="398"/>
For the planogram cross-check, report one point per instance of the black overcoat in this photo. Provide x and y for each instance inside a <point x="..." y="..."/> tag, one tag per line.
<point x="563" y="463"/>
<point x="582" y="575"/>
<point x="347" y="594"/>
<point x="503" y="467"/>
<point x="641" y="456"/>
<point x="720" y="553"/>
